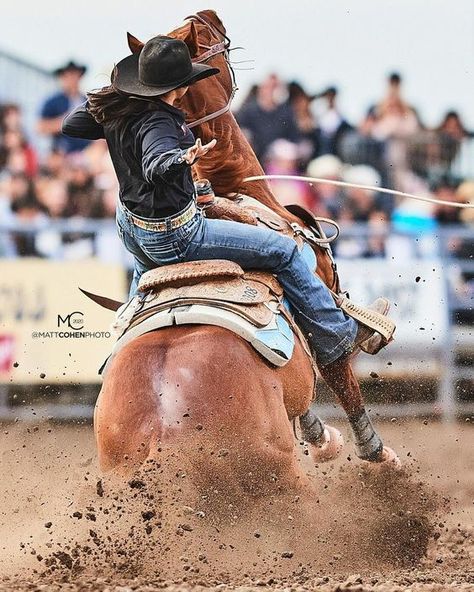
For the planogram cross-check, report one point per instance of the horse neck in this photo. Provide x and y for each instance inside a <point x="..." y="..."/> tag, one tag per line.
<point x="231" y="161"/>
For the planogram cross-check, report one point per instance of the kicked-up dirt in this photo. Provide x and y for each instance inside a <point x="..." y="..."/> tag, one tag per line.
<point x="63" y="526"/>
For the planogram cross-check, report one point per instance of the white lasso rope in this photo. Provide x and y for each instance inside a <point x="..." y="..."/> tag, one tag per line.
<point x="357" y="186"/>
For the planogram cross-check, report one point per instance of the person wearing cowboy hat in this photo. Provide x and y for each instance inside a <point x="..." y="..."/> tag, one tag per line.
<point x="59" y="104"/>
<point x="152" y="150"/>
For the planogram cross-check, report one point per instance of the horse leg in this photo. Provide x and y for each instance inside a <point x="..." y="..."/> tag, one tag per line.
<point x="340" y="378"/>
<point x="325" y="441"/>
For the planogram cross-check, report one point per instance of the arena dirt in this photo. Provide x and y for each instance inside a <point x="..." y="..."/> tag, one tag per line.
<point x="65" y="526"/>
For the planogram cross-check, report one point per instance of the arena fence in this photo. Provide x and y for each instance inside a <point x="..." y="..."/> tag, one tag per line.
<point x="428" y="370"/>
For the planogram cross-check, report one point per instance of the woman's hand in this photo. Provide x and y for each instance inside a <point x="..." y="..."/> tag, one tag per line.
<point x="198" y="150"/>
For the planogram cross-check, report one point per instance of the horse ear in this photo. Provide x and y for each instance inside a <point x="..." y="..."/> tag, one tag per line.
<point x="191" y="40"/>
<point x="211" y="16"/>
<point x="134" y="44"/>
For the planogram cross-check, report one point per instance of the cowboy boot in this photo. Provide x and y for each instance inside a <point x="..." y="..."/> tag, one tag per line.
<point x="368" y="339"/>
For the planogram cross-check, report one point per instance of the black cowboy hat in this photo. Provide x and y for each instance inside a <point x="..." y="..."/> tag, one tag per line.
<point x="162" y="65"/>
<point x="329" y="91"/>
<point x="295" y="89"/>
<point x="70" y="66"/>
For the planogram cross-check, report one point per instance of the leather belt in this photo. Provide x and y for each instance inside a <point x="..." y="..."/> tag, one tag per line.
<point x="166" y="224"/>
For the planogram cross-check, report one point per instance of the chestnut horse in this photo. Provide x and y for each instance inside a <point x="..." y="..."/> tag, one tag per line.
<point x="199" y="389"/>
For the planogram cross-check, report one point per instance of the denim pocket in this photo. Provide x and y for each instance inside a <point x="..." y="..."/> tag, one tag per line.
<point x="120" y="231"/>
<point x="163" y="250"/>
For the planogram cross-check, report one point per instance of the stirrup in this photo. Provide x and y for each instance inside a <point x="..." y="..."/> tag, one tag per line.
<point x="370" y="318"/>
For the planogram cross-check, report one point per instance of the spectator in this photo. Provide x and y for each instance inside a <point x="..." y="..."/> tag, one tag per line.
<point x="465" y="194"/>
<point x="17" y="186"/>
<point x="360" y="204"/>
<point x="52" y="195"/>
<point x="379" y="229"/>
<point x="10" y="118"/>
<point x="54" y="163"/>
<point x="250" y="97"/>
<point x="58" y="105"/>
<point x="310" y="133"/>
<point x="16" y="154"/>
<point x="432" y="152"/>
<point x="282" y="159"/>
<point x="27" y="209"/>
<point x="268" y="118"/>
<point x="415" y="218"/>
<point x="396" y="123"/>
<point x="358" y="146"/>
<point x="452" y="126"/>
<point x="19" y="156"/>
<point x="84" y="199"/>
<point x="451" y="134"/>
<point x="445" y="189"/>
<point x="464" y="247"/>
<point x="327" y="198"/>
<point x="332" y="123"/>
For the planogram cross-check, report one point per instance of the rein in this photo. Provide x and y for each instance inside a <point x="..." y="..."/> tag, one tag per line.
<point x="213" y="50"/>
<point x="357" y="186"/>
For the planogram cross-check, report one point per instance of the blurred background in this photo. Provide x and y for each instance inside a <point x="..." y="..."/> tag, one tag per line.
<point x="375" y="93"/>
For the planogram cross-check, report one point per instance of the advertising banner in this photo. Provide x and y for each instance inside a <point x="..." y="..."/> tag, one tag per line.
<point x="49" y="331"/>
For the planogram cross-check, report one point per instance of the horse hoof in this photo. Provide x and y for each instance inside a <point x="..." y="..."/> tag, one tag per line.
<point x="330" y="448"/>
<point x="390" y="457"/>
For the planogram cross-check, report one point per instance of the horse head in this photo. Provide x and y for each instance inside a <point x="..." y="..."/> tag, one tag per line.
<point x="205" y="36"/>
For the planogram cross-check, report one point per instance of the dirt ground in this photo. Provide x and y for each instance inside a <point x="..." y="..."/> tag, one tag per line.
<point x="63" y="526"/>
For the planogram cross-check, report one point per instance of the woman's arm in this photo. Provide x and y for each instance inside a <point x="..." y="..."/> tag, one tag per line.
<point x="159" y="145"/>
<point x="160" y="148"/>
<point x="80" y="124"/>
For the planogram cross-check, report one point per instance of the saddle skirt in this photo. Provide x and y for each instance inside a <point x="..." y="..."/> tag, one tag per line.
<point x="220" y="293"/>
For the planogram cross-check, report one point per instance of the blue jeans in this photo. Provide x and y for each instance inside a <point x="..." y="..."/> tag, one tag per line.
<point x="330" y="332"/>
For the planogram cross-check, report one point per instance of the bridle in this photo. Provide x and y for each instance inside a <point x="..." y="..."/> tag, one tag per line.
<point x="213" y="50"/>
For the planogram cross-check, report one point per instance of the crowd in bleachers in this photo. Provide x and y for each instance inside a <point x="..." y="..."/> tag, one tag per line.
<point x="292" y="132"/>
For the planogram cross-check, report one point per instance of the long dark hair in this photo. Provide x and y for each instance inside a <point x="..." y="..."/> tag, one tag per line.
<point x="109" y="107"/>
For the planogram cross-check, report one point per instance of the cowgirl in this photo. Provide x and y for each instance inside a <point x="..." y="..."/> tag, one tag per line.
<point x="152" y="150"/>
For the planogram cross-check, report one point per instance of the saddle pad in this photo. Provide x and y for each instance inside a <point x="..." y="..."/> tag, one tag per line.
<point x="275" y="342"/>
<point x="257" y="314"/>
<point x="189" y="273"/>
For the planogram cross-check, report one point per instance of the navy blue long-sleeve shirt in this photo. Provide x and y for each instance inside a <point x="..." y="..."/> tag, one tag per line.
<point x="147" y="152"/>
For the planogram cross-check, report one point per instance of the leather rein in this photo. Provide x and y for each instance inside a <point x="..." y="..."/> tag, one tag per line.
<point x="213" y="50"/>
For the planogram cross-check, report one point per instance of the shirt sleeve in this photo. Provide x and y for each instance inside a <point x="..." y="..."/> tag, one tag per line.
<point x="160" y="149"/>
<point x="53" y="107"/>
<point x="291" y="131"/>
<point x="80" y="124"/>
